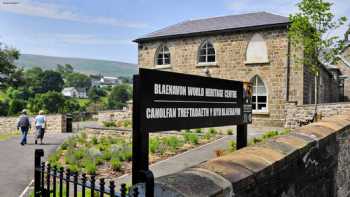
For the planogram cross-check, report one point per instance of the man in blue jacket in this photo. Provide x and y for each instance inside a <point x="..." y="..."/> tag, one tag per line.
<point x="24" y="125"/>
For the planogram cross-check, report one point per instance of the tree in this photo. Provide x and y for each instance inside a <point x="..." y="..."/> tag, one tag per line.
<point x="33" y="78"/>
<point x="95" y="93"/>
<point x="119" y="96"/>
<point x="310" y="32"/>
<point x="51" y="102"/>
<point x="66" y="69"/>
<point x="4" y="107"/>
<point x="77" y="80"/>
<point x="51" y="81"/>
<point x="71" y="105"/>
<point x="7" y="66"/>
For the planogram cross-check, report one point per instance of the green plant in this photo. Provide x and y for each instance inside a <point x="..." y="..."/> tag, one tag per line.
<point x="231" y="145"/>
<point x="94" y="140"/>
<point x="191" y="138"/>
<point x="229" y="131"/>
<point x="79" y="154"/>
<point x="212" y="131"/>
<point x="107" y="155"/>
<point x="188" y="131"/>
<point x="73" y="168"/>
<point x="257" y="140"/>
<point x="270" y="134"/>
<point x="90" y="167"/>
<point x="198" y="130"/>
<point x="116" y="164"/>
<point x="154" y="143"/>
<point x="172" y="142"/>
<point x="109" y="124"/>
<point x="207" y="136"/>
<point x="64" y="145"/>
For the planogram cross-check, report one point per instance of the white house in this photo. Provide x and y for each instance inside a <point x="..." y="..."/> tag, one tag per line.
<point x="75" y="92"/>
<point x="110" y="80"/>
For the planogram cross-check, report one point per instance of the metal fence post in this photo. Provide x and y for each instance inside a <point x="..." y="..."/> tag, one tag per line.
<point x="37" y="171"/>
<point x="242" y="136"/>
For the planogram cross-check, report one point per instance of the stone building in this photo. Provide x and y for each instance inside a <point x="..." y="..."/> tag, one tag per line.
<point x="249" y="47"/>
<point x="344" y="65"/>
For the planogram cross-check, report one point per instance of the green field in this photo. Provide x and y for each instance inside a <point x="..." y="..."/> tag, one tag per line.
<point x="86" y="66"/>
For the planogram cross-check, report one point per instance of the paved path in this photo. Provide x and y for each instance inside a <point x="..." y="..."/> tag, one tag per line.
<point x="17" y="162"/>
<point x="201" y="154"/>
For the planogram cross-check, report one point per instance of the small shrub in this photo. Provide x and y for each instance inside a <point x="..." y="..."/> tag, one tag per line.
<point x="79" y="154"/>
<point x="207" y="136"/>
<point x="229" y="132"/>
<point x="154" y="144"/>
<point x="69" y="157"/>
<point x="191" y="138"/>
<point x="127" y="123"/>
<point x="188" y="131"/>
<point x="73" y="168"/>
<point x="107" y="155"/>
<point x="90" y="168"/>
<point x="219" y="152"/>
<point x="231" y="145"/>
<point x="270" y="134"/>
<point x="257" y="140"/>
<point x="198" y="130"/>
<point x="109" y="124"/>
<point x="116" y="164"/>
<point x="54" y="157"/>
<point x="212" y="131"/>
<point x="64" y="146"/>
<point x="94" y="140"/>
<point x="172" y="142"/>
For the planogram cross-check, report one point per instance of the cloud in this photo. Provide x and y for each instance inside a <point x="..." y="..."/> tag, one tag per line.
<point x="87" y="39"/>
<point x="59" y="12"/>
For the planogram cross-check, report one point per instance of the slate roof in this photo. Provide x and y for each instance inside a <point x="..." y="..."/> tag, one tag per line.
<point x="217" y="24"/>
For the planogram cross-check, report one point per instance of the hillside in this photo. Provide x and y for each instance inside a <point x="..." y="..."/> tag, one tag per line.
<point x="87" y="66"/>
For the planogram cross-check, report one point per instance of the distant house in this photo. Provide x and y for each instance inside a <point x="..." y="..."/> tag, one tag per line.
<point x="75" y="92"/>
<point x="109" y="81"/>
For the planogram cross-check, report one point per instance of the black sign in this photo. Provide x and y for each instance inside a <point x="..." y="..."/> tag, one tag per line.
<point x="174" y="101"/>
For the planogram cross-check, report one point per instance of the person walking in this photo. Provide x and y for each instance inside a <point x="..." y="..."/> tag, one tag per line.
<point x="40" y="124"/>
<point x="24" y="125"/>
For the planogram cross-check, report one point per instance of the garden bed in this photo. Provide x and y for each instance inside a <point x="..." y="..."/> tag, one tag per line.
<point x="109" y="156"/>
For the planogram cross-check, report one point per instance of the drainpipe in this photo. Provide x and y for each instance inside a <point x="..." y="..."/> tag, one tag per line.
<point x="288" y="70"/>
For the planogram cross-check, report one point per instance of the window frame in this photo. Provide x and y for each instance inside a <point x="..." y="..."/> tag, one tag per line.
<point x="256" y="94"/>
<point x="162" y="50"/>
<point x="207" y="54"/>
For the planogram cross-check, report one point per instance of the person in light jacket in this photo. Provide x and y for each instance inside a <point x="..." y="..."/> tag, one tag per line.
<point x="40" y="124"/>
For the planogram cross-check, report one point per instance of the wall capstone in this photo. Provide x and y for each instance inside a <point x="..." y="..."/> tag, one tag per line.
<point x="311" y="161"/>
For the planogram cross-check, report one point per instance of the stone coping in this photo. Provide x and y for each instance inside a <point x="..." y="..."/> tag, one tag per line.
<point x="246" y="167"/>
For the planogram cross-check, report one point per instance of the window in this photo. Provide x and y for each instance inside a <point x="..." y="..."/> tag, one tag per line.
<point x="163" y="56"/>
<point x="257" y="50"/>
<point x="206" y="53"/>
<point x="259" y="99"/>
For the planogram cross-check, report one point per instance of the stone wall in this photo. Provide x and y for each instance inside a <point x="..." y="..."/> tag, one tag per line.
<point x="113" y="115"/>
<point x="231" y="64"/>
<point x="55" y="123"/>
<point x="312" y="161"/>
<point x="295" y="113"/>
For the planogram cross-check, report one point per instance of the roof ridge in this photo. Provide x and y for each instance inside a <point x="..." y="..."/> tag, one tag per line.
<point x="230" y="15"/>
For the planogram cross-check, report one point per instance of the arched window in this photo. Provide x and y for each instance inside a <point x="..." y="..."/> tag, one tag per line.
<point x="259" y="99"/>
<point x="257" y="50"/>
<point x="163" y="55"/>
<point x="206" y="53"/>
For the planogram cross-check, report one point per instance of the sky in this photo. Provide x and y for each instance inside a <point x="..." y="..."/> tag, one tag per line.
<point x="104" y="29"/>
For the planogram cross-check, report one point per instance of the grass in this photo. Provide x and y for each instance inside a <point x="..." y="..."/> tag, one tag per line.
<point x="8" y="135"/>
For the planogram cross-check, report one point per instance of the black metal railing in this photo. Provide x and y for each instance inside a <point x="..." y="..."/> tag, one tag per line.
<point x="59" y="182"/>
